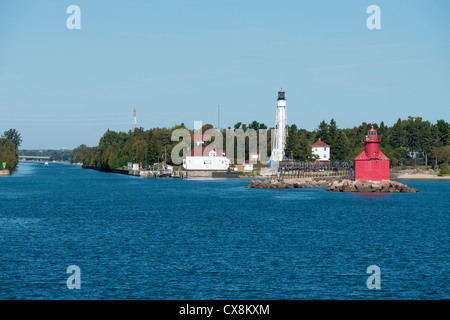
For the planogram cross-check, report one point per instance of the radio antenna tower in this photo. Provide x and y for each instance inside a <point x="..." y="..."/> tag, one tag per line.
<point x="134" y="120"/>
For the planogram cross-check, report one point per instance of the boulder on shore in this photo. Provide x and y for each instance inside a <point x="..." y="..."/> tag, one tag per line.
<point x="385" y="186"/>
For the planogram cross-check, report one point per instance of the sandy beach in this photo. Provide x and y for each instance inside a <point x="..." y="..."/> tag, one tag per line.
<point x="421" y="176"/>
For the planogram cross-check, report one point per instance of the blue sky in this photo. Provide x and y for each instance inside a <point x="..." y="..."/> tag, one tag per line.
<point x="176" y="61"/>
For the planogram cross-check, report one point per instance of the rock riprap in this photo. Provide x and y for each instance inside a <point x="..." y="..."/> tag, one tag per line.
<point x="365" y="186"/>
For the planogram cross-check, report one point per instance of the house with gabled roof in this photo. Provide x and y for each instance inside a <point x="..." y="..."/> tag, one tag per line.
<point x="322" y="150"/>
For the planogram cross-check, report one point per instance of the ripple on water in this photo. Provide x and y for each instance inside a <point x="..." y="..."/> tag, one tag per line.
<point x="187" y="239"/>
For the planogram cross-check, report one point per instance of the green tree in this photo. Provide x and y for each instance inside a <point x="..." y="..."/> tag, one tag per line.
<point x="322" y="132"/>
<point x="443" y="128"/>
<point x="397" y="138"/>
<point x="332" y="132"/>
<point x="111" y="138"/>
<point x="340" y="149"/>
<point x="292" y="140"/>
<point x="8" y="154"/>
<point x="14" y="136"/>
<point x="302" y="150"/>
<point x="412" y="129"/>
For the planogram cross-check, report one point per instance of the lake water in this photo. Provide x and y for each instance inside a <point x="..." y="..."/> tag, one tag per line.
<point x="137" y="238"/>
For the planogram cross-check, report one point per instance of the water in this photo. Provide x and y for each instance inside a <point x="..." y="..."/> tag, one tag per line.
<point x="136" y="238"/>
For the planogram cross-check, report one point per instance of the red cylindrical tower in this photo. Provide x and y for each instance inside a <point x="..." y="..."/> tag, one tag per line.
<point x="372" y="143"/>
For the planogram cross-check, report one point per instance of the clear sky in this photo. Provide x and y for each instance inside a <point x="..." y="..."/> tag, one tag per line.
<point x="176" y="61"/>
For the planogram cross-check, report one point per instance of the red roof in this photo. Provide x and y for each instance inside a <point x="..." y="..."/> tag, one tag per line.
<point x="204" y="152"/>
<point x="363" y="156"/>
<point x="319" y="143"/>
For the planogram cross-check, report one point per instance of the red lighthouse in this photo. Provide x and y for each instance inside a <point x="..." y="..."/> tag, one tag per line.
<point x="372" y="164"/>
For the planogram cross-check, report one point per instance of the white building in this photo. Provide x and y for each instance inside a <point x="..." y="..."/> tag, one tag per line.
<point x="321" y="149"/>
<point x="206" y="158"/>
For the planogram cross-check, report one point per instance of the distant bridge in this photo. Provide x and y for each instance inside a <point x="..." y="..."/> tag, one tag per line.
<point x="34" y="158"/>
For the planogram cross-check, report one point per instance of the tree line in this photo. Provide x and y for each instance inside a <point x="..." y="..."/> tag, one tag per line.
<point x="407" y="136"/>
<point x="116" y="149"/>
<point x="56" y="155"/>
<point x="9" y="144"/>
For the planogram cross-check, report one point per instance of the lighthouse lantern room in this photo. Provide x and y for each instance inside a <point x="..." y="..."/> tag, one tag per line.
<point x="372" y="164"/>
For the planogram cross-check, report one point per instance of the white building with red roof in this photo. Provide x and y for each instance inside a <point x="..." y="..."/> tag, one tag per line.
<point x="322" y="150"/>
<point x="206" y="158"/>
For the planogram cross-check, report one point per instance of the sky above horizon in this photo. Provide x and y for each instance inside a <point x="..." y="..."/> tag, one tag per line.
<point x="177" y="61"/>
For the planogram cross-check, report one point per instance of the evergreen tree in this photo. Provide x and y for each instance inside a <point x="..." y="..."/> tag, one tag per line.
<point x="444" y="131"/>
<point x="412" y="129"/>
<point x="426" y="140"/>
<point x="341" y="147"/>
<point x="332" y="131"/>
<point x="292" y="140"/>
<point x="322" y="131"/>
<point x="397" y="137"/>
<point x="302" y="150"/>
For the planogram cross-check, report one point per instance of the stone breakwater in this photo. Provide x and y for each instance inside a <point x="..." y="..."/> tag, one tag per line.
<point x="287" y="184"/>
<point x="365" y="186"/>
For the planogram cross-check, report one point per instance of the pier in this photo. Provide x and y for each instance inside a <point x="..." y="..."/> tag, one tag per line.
<point x="139" y="173"/>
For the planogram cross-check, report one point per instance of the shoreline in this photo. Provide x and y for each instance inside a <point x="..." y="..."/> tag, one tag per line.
<point x="421" y="176"/>
<point x="5" y="173"/>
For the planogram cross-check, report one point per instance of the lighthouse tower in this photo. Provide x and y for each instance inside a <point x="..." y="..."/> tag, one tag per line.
<point x="372" y="164"/>
<point x="279" y="138"/>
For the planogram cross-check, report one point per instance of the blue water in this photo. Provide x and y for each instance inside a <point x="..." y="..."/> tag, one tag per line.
<point x="136" y="238"/>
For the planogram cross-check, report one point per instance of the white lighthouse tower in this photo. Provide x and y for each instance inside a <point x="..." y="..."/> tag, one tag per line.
<point x="279" y="138"/>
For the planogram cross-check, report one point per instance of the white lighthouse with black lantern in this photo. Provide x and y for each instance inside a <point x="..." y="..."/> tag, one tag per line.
<point x="279" y="136"/>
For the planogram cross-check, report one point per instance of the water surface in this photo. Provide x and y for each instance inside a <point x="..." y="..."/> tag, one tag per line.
<point x="137" y="238"/>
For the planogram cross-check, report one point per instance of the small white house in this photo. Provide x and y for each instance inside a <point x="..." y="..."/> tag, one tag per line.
<point x="322" y="150"/>
<point x="206" y="158"/>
